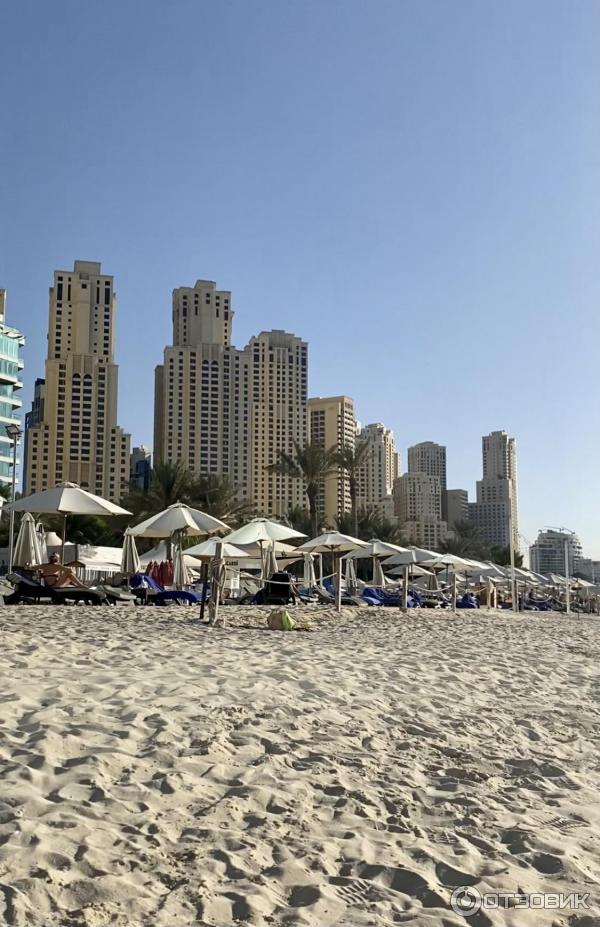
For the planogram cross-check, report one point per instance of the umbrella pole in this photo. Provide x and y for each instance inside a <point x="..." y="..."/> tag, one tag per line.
<point x="64" y="538"/>
<point x="338" y="585"/>
<point x="454" y="590"/>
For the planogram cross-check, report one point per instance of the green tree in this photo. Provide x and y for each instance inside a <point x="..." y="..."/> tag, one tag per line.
<point x="299" y="519"/>
<point x="169" y="483"/>
<point x="312" y="464"/>
<point x="370" y="523"/>
<point x="218" y="496"/>
<point x="350" y="459"/>
<point x="467" y="542"/>
<point x="501" y="556"/>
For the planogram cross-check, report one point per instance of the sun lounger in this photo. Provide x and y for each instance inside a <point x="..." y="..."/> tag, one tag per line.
<point x="27" y="590"/>
<point x="179" y="596"/>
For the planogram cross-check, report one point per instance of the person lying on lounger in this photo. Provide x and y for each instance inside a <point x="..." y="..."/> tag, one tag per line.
<point x="55" y="574"/>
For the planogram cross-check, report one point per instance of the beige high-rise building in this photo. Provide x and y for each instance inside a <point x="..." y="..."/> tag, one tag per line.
<point x="78" y="438"/>
<point x="380" y="469"/>
<point x="279" y="370"/>
<point x="429" y="457"/>
<point x="226" y="411"/>
<point x="496" y="510"/>
<point x="457" y="501"/>
<point x="332" y="424"/>
<point x="418" y="507"/>
<point x="202" y="393"/>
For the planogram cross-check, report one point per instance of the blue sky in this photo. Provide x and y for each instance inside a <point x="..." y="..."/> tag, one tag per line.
<point x="412" y="187"/>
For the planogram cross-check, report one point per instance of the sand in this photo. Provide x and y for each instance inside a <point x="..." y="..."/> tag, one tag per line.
<point x="156" y="772"/>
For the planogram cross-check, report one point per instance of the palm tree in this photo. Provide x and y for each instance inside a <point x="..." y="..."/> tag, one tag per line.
<point x="350" y="459"/>
<point x="370" y="523"/>
<point x="169" y="483"/>
<point x="216" y="495"/>
<point x="312" y="464"/>
<point x="501" y="556"/>
<point x="299" y="518"/>
<point x="467" y="542"/>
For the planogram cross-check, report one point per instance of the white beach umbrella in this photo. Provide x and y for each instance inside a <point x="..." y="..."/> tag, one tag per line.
<point x="378" y="577"/>
<point x="411" y="555"/>
<point x="27" y="546"/>
<point x="42" y="540"/>
<point x="270" y="563"/>
<point x="181" y="521"/>
<point x="309" y="579"/>
<point x="180" y="518"/>
<point x="181" y="577"/>
<point x="375" y="548"/>
<point x="261" y="531"/>
<point x="413" y="568"/>
<point x="130" y="561"/>
<point x="351" y="579"/>
<point x="333" y="542"/>
<point x="207" y="550"/>
<point x="66" y="499"/>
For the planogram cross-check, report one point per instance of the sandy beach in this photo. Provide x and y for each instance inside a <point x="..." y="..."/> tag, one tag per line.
<point x="157" y="772"/>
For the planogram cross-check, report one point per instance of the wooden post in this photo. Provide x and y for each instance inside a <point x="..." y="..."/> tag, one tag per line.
<point x="214" y="589"/>
<point x="405" y="574"/>
<point x="204" y="578"/>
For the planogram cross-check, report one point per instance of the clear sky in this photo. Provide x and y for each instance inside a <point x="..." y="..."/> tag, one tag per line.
<point x="413" y="187"/>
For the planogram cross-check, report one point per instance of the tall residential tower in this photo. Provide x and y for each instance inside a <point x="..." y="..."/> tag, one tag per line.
<point x="74" y="436"/>
<point x="380" y="469"/>
<point x="495" y="512"/>
<point x="226" y="411"/>
<point x="332" y="424"/>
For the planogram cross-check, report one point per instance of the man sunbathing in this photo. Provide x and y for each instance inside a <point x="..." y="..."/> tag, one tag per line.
<point x="56" y="575"/>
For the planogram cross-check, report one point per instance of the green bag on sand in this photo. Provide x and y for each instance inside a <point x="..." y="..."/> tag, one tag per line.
<point x="281" y="620"/>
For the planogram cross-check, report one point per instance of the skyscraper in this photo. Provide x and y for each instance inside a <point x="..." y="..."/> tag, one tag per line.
<point x="332" y="424"/>
<point x="430" y="458"/>
<point x="418" y="507"/>
<point x="11" y="365"/>
<point x="226" y="411"/>
<point x="495" y="512"/>
<point x="278" y="417"/>
<point x="202" y="392"/>
<point x="380" y="469"/>
<point x="77" y="437"/>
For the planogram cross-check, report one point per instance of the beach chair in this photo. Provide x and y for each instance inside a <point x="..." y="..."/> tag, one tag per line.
<point x="30" y="591"/>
